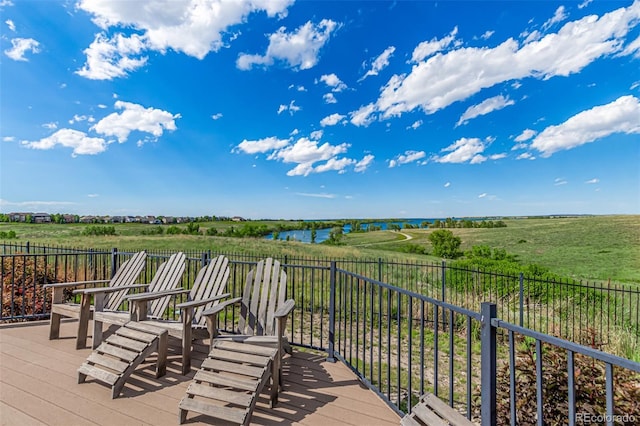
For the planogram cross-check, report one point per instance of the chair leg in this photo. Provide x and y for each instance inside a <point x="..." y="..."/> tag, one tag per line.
<point x="54" y="326"/>
<point x="187" y="316"/>
<point x="83" y="323"/>
<point x="275" y="381"/>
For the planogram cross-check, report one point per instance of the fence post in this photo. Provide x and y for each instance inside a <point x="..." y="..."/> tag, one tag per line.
<point x="488" y="363"/>
<point x="114" y="258"/>
<point x="380" y="269"/>
<point x="521" y="299"/>
<point x="27" y="247"/>
<point x="203" y="259"/>
<point x="444" y="290"/>
<point x="332" y="312"/>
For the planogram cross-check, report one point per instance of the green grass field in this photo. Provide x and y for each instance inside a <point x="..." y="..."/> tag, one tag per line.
<point x="591" y="248"/>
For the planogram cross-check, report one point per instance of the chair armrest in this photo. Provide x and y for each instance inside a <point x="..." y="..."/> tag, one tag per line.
<point x="285" y="309"/>
<point x="143" y="297"/>
<point x="220" y="306"/>
<point x="74" y="284"/>
<point x="195" y="303"/>
<point x="108" y="289"/>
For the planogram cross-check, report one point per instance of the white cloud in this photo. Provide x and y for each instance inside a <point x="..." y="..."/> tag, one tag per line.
<point x="329" y="98"/>
<point x="593" y="181"/>
<point x="584" y="4"/>
<point x="334" y="82"/>
<point x="483" y="195"/>
<point x="442" y="79"/>
<point x="22" y="46"/>
<point x="193" y="27"/>
<point x="407" y="157"/>
<point x="292" y="108"/>
<point x="559" y="182"/>
<point x="135" y="117"/>
<point x="428" y="48"/>
<point x="316" y="135"/>
<point x="448" y="184"/>
<point x="305" y="153"/>
<point x="462" y="151"/>
<point x="299" y="49"/>
<point x="633" y="48"/>
<point x="10" y="24"/>
<point x="620" y="116"/>
<point x="50" y="126"/>
<point x="4" y="3"/>
<point x="261" y="145"/>
<point x="216" y="116"/>
<point x="308" y="151"/>
<point x="559" y="16"/>
<point x="77" y="118"/>
<point x="8" y="138"/>
<point x="322" y="195"/>
<point x="487" y="35"/>
<point x="364" y="164"/>
<point x="380" y="63"/>
<point x="81" y="143"/>
<point x="331" y="120"/>
<point x="415" y="125"/>
<point x="109" y="58"/>
<point x="362" y="116"/>
<point x="485" y="107"/>
<point x="294" y="132"/>
<point x="334" y="164"/>
<point x="526" y="156"/>
<point x="525" y="135"/>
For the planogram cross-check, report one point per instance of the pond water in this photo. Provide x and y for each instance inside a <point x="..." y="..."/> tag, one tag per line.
<point x="304" y="236"/>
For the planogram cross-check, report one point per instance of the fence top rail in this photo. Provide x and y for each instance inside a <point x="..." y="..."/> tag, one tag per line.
<point x="570" y="346"/>
<point x="413" y="295"/>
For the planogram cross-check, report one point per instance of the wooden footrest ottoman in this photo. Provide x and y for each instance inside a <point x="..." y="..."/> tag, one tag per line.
<point x="229" y="381"/>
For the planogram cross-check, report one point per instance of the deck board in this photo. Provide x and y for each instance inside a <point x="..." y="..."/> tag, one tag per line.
<point x="38" y="386"/>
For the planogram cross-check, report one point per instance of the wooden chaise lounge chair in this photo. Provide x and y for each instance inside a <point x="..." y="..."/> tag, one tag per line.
<point x="207" y="289"/>
<point x="432" y="411"/>
<point x="165" y="281"/>
<point x="112" y="295"/>
<point x="238" y="366"/>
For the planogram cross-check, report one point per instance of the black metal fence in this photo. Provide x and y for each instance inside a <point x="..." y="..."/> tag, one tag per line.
<point x="562" y="308"/>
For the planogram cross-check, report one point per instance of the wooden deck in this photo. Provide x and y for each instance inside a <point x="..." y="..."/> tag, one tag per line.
<point x="38" y="386"/>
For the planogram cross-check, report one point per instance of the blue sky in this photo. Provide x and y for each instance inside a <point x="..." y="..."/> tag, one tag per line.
<point x="320" y="109"/>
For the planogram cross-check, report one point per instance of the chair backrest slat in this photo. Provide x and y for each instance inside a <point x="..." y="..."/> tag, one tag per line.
<point x="210" y="282"/>
<point x="264" y="293"/>
<point x="127" y="274"/>
<point x="168" y="277"/>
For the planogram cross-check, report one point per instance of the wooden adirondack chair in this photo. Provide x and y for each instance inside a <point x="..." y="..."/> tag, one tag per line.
<point x="207" y="289"/>
<point x="239" y="365"/>
<point x="119" y="285"/>
<point x="165" y="281"/>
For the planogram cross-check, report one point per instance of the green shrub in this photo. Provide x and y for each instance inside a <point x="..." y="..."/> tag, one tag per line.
<point x="173" y="230"/>
<point x="445" y="244"/>
<point x="154" y="230"/>
<point x="8" y="235"/>
<point x="98" y="230"/>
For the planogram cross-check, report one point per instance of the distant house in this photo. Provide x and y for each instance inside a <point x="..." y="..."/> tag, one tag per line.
<point x="68" y="218"/>
<point x="19" y="217"/>
<point x="41" y="218"/>
<point x="87" y="219"/>
<point x="238" y="219"/>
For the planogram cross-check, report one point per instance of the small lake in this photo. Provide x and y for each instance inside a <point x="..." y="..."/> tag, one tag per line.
<point x="304" y="236"/>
